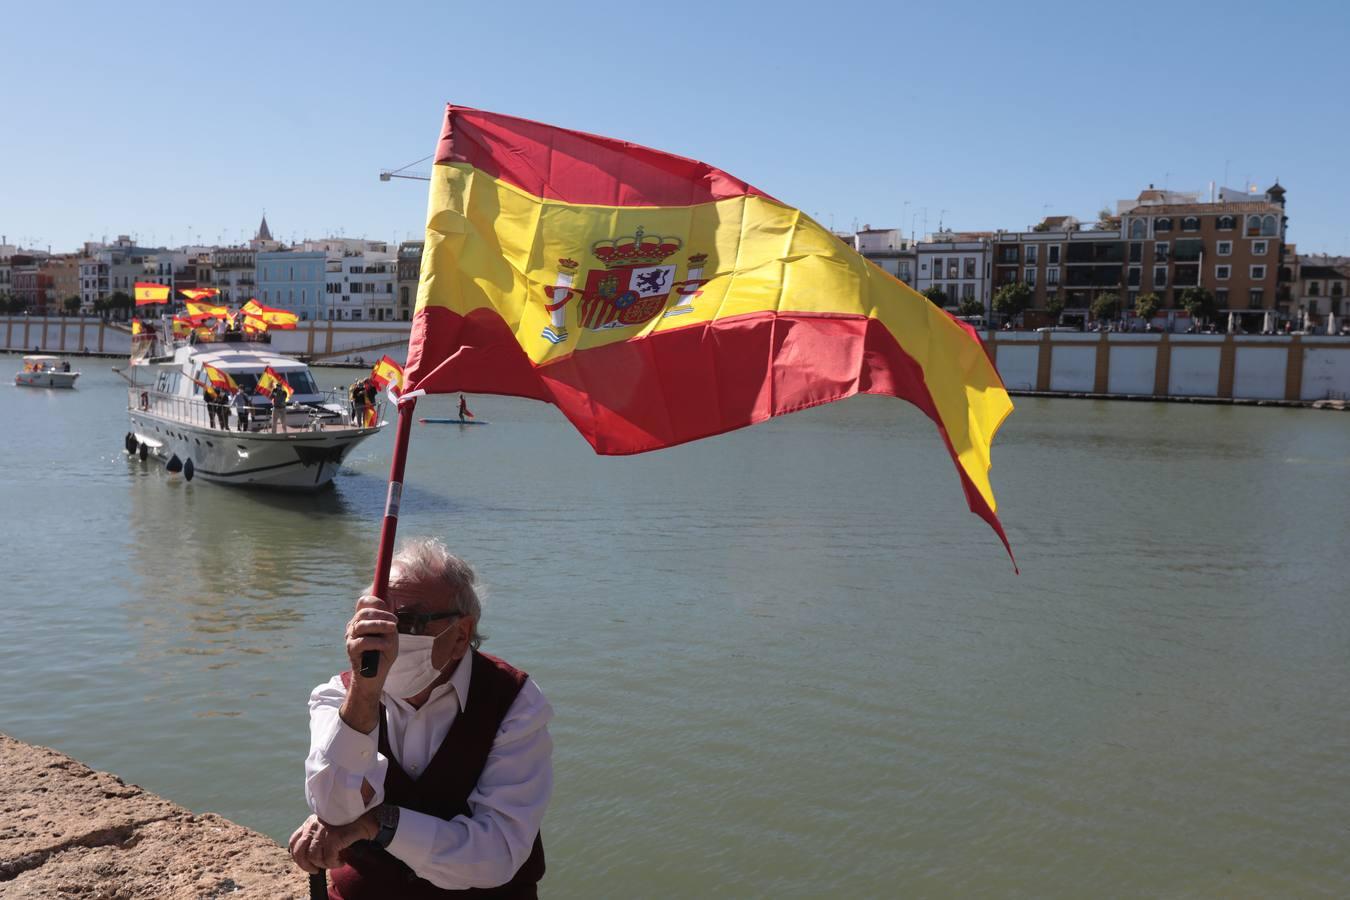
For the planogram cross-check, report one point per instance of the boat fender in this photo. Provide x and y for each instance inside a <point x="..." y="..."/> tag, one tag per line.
<point x="145" y="400"/>
<point x="174" y="464"/>
<point x="188" y="470"/>
<point x="143" y="451"/>
<point x="130" y="444"/>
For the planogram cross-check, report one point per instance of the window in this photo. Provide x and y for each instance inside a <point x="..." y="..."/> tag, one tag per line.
<point x="1256" y="298"/>
<point x="1258" y="248"/>
<point x="970" y="267"/>
<point x="1007" y="254"/>
<point x="1051" y="276"/>
<point x="1221" y="272"/>
<point x="1030" y="275"/>
<point x="954" y="267"/>
<point x="1031" y="255"/>
<point x="290" y="295"/>
<point x="1258" y="273"/>
<point x="403" y="291"/>
<point x="1227" y="223"/>
<point x="1136" y="253"/>
<point x="290" y="274"/>
<point x="1160" y="252"/>
<point x="937" y="267"/>
<point x="1224" y="248"/>
<point x="1132" y="278"/>
<point x="1221" y="298"/>
<point x="1187" y="250"/>
<point x="1163" y="224"/>
<point x="1253" y="226"/>
<point x="1052" y="255"/>
<point x="967" y="292"/>
<point x="1190" y="223"/>
<point x="1139" y="228"/>
<point x="1186" y="275"/>
<point x="1337" y="288"/>
<point x="265" y="298"/>
<point x="1268" y="226"/>
<point x="1160" y="276"/>
<point x="1314" y="289"/>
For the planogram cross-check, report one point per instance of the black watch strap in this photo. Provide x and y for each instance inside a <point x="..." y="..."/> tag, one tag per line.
<point x="387" y="815"/>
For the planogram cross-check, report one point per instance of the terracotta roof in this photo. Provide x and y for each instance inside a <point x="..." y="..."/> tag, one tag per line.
<point x="1206" y="209"/>
<point x="1307" y="271"/>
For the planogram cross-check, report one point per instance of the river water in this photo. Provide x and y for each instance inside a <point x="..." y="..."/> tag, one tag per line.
<point x="785" y="661"/>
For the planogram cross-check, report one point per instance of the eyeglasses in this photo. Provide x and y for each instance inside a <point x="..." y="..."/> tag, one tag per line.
<point x="416" y="623"/>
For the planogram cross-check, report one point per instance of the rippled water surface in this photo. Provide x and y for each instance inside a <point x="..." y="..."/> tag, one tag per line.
<point x="785" y="661"/>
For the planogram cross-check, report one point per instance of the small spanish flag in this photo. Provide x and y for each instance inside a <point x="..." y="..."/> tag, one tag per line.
<point x="200" y="312"/>
<point x="219" y="378"/>
<point x="387" y="372"/>
<point x="148" y="293"/>
<point x="137" y="328"/>
<point x="271" y="380"/>
<point x="254" y="325"/>
<point x="181" y="327"/>
<point x="276" y="318"/>
<point x="199" y="293"/>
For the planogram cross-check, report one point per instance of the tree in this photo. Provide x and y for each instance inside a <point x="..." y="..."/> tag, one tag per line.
<point x="1146" y="306"/>
<point x="1105" y="306"/>
<point x="120" y="302"/>
<point x="1199" y="303"/>
<point x="970" y="307"/>
<point x="1054" y="305"/>
<point x="1012" y="299"/>
<point x="936" y="295"/>
<point x="1107" y="220"/>
<point x="72" y="304"/>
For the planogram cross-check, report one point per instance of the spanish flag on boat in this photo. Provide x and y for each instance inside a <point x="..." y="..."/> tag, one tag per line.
<point x="275" y="318"/>
<point x="219" y="378"/>
<point x="201" y="312"/>
<point x="271" y="380"/>
<point x="657" y="300"/>
<point x="199" y="293"/>
<point x="386" y="372"/>
<point x="148" y="293"/>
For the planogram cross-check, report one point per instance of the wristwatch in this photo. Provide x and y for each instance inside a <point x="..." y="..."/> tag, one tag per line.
<point x="386" y="814"/>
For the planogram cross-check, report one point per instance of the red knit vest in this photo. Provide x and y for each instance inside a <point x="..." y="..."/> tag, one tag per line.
<point x="371" y="873"/>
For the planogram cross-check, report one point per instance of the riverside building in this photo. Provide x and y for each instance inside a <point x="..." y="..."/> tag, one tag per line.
<point x="956" y="262"/>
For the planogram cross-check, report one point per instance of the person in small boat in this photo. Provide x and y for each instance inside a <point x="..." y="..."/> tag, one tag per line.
<point x="240" y="403"/>
<point x="432" y="776"/>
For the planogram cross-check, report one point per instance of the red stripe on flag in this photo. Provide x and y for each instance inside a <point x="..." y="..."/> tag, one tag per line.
<point x="682" y="384"/>
<point x="576" y="167"/>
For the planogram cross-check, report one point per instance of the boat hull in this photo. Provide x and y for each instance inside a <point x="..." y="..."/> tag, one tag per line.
<point x="46" y="379"/>
<point x="293" y="460"/>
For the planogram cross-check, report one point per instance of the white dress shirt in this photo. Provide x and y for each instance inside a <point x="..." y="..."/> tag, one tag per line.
<point x="482" y="849"/>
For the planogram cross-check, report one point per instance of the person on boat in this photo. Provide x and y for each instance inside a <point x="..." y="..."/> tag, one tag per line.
<point x="65" y="366"/>
<point x="358" y="397"/>
<point x="240" y="403"/>
<point x="209" y="398"/>
<point x="371" y="392"/>
<point x="433" y="775"/>
<point x="464" y="409"/>
<point x="278" y="407"/>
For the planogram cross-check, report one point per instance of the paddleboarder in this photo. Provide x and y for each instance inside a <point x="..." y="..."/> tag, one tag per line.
<point x="464" y="408"/>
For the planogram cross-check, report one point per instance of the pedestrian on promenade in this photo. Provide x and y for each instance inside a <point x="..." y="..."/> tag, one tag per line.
<point x="433" y="775"/>
<point x="240" y="403"/>
<point x="278" y="407"/>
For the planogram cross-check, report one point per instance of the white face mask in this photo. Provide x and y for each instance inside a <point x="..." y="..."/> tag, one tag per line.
<point x="412" y="672"/>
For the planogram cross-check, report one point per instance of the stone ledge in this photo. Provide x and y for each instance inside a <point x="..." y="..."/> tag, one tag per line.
<point x="67" y="830"/>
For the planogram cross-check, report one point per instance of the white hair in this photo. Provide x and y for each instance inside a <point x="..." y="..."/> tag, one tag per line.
<point x="428" y="558"/>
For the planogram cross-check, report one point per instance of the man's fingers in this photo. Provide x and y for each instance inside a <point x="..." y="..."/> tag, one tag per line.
<point x="360" y="627"/>
<point x="369" y="602"/>
<point x="385" y="643"/>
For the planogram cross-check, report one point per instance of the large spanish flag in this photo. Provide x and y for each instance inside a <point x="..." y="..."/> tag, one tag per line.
<point x="275" y="318"/>
<point x="657" y="300"/>
<point x="148" y="293"/>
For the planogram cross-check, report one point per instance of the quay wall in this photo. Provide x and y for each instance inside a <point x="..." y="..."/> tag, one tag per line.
<point x="1287" y="368"/>
<point x="67" y="830"/>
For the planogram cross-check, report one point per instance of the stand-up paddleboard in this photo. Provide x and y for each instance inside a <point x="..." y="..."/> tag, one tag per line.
<point x="453" y="422"/>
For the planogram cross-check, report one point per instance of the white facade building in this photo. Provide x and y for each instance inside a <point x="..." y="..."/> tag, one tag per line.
<point x="889" y="249"/>
<point x="959" y="264"/>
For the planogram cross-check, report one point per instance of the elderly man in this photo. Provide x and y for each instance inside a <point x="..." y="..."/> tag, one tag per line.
<point x="431" y="777"/>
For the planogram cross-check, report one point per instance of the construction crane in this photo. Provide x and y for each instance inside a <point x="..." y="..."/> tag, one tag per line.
<point x="388" y="174"/>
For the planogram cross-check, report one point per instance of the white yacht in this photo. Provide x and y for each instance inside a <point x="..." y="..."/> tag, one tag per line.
<point x="47" y="372"/>
<point x="171" y="420"/>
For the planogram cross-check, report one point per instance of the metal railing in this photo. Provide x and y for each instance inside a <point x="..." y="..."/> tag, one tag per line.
<point x="331" y="411"/>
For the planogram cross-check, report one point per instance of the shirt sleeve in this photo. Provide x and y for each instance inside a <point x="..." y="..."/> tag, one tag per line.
<point x="488" y="846"/>
<point x="340" y="759"/>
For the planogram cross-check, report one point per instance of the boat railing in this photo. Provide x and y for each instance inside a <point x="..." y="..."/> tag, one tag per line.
<point x="332" y="410"/>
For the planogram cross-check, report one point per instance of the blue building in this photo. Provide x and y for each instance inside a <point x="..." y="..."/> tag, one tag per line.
<point x="293" y="280"/>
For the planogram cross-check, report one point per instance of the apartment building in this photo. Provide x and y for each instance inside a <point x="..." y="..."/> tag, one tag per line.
<point x="409" y="275"/>
<point x="234" y="273"/>
<point x="295" y="280"/>
<point x="958" y="263"/>
<point x="889" y="249"/>
<point x="1060" y="261"/>
<point x="1322" y="283"/>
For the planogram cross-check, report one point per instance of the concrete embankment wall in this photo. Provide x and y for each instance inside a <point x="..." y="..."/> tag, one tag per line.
<point x="67" y="831"/>
<point x="1226" y="367"/>
<point x="335" y="342"/>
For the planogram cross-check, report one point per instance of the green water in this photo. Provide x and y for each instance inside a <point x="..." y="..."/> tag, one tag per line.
<point x="785" y="662"/>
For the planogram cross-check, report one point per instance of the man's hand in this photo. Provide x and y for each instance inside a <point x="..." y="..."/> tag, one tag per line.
<point x="373" y="627"/>
<point x="316" y="845"/>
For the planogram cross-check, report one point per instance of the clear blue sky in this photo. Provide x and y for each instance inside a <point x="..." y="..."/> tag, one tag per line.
<point x="169" y="123"/>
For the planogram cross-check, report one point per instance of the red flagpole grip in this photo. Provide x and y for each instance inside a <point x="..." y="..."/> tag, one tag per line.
<point x="370" y="660"/>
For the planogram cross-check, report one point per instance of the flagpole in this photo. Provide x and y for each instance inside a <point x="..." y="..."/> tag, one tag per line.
<point x="384" y="558"/>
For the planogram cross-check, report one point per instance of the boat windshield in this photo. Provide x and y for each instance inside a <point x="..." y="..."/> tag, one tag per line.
<point x="300" y="380"/>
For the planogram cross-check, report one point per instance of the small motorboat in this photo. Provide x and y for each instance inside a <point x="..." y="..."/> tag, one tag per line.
<point x="46" y="372"/>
